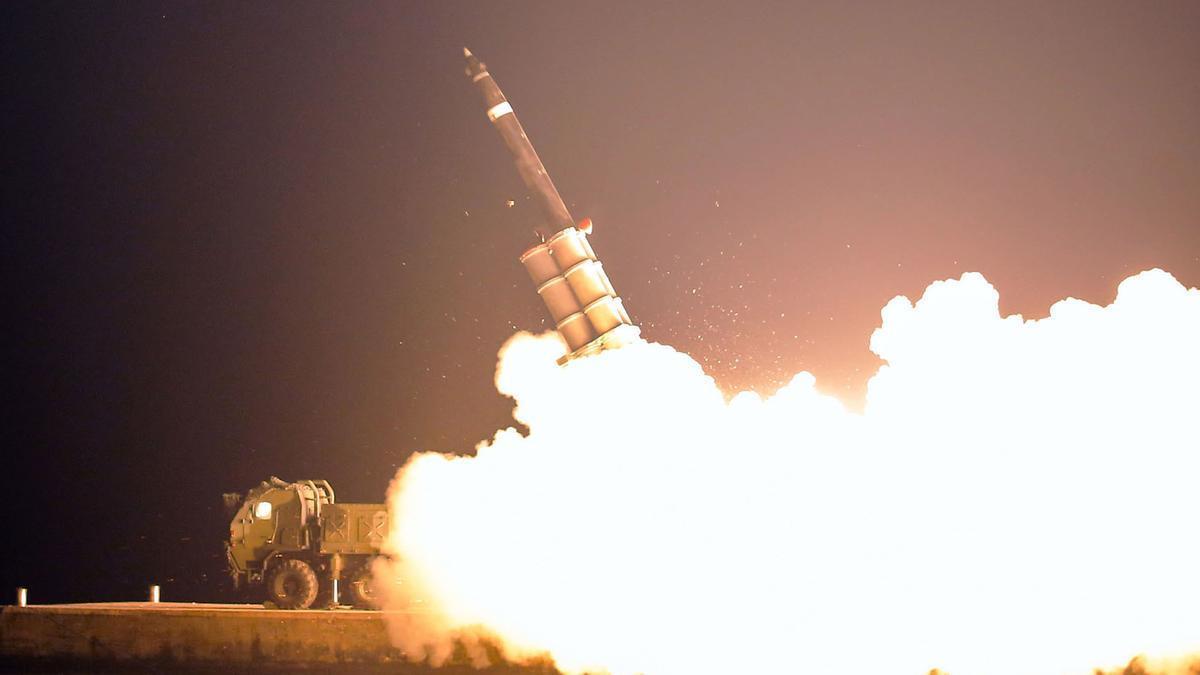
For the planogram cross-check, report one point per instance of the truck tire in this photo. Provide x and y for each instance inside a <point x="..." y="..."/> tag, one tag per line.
<point x="293" y="585"/>
<point x="362" y="594"/>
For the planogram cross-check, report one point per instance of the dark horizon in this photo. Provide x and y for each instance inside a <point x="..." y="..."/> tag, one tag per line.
<point x="273" y="239"/>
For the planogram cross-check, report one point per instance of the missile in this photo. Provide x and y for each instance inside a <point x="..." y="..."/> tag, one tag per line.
<point x="571" y="281"/>
<point x="537" y="181"/>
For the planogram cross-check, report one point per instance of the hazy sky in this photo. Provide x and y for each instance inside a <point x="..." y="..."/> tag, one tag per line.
<point x="272" y="238"/>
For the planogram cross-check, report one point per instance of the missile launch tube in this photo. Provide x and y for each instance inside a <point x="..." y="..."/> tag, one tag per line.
<point x="533" y="173"/>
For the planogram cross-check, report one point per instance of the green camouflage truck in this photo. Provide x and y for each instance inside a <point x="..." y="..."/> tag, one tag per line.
<point x="291" y="544"/>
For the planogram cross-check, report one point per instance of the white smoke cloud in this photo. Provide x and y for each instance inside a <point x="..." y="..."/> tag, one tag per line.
<point x="1017" y="497"/>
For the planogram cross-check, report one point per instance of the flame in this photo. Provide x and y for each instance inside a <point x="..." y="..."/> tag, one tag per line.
<point x="1018" y="496"/>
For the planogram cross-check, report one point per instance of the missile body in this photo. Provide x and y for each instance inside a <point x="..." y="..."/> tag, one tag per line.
<point x="571" y="281"/>
<point x="537" y="181"/>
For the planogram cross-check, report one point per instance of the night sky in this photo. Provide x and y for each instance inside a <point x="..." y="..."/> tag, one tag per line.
<point x="245" y="239"/>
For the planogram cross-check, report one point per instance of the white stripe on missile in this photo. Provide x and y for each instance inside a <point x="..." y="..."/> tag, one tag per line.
<point x="499" y="110"/>
<point x="480" y="76"/>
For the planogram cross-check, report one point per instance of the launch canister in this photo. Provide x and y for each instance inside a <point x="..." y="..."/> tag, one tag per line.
<point x="537" y="181"/>
<point x="571" y="281"/>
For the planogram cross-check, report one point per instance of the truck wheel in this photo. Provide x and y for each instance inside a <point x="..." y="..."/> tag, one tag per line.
<point x="362" y="593"/>
<point x="293" y="585"/>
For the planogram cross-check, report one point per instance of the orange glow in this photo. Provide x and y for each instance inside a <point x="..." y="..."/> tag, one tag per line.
<point x="1018" y="497"/>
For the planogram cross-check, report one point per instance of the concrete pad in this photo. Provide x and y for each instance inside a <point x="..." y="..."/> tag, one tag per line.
<point x="190" y="634"/>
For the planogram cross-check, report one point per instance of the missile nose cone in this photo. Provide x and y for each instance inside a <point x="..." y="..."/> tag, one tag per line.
<point x="474" y="67"/>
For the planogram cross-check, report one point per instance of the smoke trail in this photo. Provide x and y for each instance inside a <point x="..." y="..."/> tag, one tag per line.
<point x="1017" y="497"/>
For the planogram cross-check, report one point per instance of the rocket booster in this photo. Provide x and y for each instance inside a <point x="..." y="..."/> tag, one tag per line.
<point x="571" y="281"/>
<point x="537" y="181"/>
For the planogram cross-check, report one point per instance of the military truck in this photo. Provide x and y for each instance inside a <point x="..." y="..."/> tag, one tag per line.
<point x="290" y="544"/>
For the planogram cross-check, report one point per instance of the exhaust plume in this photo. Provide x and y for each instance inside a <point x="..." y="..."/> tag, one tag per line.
<point x="1018" y="496"/>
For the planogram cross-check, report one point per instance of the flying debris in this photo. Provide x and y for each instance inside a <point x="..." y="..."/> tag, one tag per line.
<point x="587" y="311"/>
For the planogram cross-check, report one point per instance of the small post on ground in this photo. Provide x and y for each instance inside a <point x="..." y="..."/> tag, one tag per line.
<point x="154" y="594"/>
<point x="335" y="593"/>
<point x="22" y="596"/>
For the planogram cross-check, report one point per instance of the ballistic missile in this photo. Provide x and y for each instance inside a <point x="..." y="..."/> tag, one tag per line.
<point x="537" y="181"/>
<point x="571" y="281"/>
